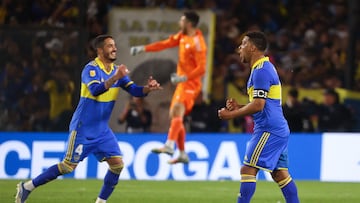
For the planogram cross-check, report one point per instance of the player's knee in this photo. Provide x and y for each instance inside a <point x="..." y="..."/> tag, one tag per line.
<point x="116" y="168"/>
<point x="66" y="168"/>
<point x="248" y="170"/>
<point x="279" y="175"/>
<point x="178" y="110"/>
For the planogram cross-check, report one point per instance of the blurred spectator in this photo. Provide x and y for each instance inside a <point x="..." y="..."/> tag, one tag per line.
<point x="307" y="43"/>
<point x="204" y="117"/>
<point x="333" y="116"/>
<point x="295" y="113"/>
<point x="60" y="90"/>
<point x="245" y="123"/>
<point x="138" y="119"/>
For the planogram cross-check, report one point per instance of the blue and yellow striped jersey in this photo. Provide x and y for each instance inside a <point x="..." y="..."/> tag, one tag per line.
<point x="264" y="83"/>
<point x="93" y="112"/>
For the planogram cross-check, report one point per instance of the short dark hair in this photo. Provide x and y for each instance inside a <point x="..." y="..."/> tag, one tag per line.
<point x="98" y="42"/>
<point x="258" y="39"/>
<point x="193" y="17"/>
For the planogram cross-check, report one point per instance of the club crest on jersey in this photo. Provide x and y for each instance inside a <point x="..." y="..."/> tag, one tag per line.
<point x="76" y="157"/>
<point x="92" y="73"/>
<point x="260" y="94"/>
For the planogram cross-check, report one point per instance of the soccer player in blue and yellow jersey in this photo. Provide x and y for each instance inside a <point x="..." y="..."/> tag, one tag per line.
<point x="267" y="148"/>
<point x="101" y="81"/>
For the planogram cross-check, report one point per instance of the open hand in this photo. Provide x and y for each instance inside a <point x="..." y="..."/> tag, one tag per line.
<point x="152" y="84"/>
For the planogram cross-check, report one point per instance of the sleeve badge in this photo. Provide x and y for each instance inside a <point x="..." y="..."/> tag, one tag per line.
<point x="92" y="73"/>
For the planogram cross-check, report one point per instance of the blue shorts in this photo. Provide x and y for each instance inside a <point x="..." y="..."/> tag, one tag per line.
<point x="267" y="152"/>
<point x="79" y="147"/>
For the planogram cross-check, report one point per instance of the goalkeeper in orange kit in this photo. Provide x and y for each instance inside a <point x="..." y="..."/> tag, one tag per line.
<point x="190" y="69"/>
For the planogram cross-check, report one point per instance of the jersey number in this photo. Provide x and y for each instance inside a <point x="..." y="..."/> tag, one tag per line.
<point x="79" y="149"/>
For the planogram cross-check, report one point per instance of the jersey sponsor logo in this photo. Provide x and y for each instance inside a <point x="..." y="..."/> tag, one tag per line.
<point x="92" y="73"/>
<point x="260" y="94"/>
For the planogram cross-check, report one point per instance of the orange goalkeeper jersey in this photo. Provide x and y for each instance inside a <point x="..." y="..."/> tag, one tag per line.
<point x="192" y="54"/>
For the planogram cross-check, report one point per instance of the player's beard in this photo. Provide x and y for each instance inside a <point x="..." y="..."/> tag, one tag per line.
<point x="184" y="30"/>
<point x="109" y="56"/>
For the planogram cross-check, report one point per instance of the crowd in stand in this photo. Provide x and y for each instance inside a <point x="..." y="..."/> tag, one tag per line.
<point x="308" y="42"/>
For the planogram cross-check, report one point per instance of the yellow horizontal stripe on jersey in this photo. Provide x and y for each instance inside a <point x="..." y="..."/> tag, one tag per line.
<point x="274" y="92"/>
<point x="107" y="96"/>
<point x="251" y="93"/>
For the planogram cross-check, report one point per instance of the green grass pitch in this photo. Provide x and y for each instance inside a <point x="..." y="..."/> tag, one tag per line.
<point x="69" y="190"/>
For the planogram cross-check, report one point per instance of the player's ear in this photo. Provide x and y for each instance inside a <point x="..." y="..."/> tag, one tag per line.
<point x="99" y="50"/>
<point x="252" y="47"/>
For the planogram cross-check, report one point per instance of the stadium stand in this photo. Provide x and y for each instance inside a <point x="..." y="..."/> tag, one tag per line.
<point x="308" y="45"/>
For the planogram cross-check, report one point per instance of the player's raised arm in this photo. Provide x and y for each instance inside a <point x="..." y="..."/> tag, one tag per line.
<point x="92" y="78"/>
<point x="138" y="91"/>
<point x="120" y="72"/>
<point x="152" y="85"/>
<point x="172" y="41"/>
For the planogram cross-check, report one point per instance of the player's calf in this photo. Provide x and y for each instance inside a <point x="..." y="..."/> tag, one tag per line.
<point x="247" y="188"/>
<point x="289" y="190"/>
<point x="110" y="181"/>
<point x="287" y="185"/>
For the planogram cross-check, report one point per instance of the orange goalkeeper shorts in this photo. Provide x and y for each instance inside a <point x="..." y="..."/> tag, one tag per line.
<point x="186" y="93"/>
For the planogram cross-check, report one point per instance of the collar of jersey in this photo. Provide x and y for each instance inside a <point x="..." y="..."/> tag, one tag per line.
<point x="260" y="61"/>
<point x="102" y="67"/>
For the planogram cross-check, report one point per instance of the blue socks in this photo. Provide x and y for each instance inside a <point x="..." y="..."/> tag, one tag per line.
<point x="47" y="176"/>
<point x="289" y="190"/>
<point x="247" y="188"/>
<point x="110" y="181"/>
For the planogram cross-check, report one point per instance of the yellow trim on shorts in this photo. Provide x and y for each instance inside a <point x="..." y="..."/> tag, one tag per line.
<point x="104" y="158"/>
<point x="258" y="149"/>
<point x="258" y="167"/>
<point x="70" y="148"/>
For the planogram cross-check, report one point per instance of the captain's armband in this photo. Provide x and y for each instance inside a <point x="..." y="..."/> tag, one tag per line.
<point x="259" y="93"/>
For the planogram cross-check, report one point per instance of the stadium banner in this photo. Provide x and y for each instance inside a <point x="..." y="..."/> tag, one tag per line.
<point x="132" y="27"/>
<point x="340" y="157"/>
<point x="213" y="157"/>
